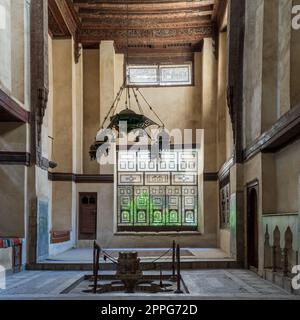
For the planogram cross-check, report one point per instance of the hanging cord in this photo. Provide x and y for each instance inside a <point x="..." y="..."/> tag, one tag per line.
<point x="52" y="149"/>
<point x="129" y="98"/>
<point x="126" y="100"/>
<point x="137" y="102"/>
<point x="162" y="255"/>
<point x="111" y="258"/>
<point x="117" y="103"/>
<point x="113" y="107"/>
<point x="163" y="125"/>
<point x="156" y="259"/>
<point x="141" y="110"/>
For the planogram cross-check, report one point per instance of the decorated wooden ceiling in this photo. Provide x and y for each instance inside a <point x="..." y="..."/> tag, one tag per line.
<point x="140" y="26"/>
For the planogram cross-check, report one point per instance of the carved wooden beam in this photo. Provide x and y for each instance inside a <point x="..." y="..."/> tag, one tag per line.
<point x="81" y="178"/>
<point x="69" y="15"/>
<point x="146" y="7"/>
<point x="136" y="20"/>
<point x="14" y="158"/>
<point x="145" y="24"/>
<point x="283" y="132"/>
<point x="67" y="19"/>
<point x="168" y="49"/>
<point x="10" y="110"/>
<point x="57" y="25"/>
<point x="146" y="36"/>
<point x="219" y="13"/>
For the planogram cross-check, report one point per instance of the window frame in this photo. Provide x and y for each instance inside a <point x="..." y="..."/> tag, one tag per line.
<point x="159" y="66"/>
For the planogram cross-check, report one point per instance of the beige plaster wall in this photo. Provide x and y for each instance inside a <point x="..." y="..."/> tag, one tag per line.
<point x="77" y="115"/>
<point x="106" y="227"/>
<point x="50" y="119"/>
<point x="108" y="77"/>
<point x="221" y="100"/>
<point x="224" y="124"/>
<point x="270" y="72"/>
<point x="14" y="53"/>
<point x="295" y="64"/>
<point x="17" y="49"/>
<point x="12" y="136"/>
<point x="209" y="102"/>
<point x="253" y="171"/>
<point x="62" y="104"/>
<point x="287" y="175"/>
<point x="253" y="76"/>
<point x="91" y="107"/>
<point x="224" y="136"/>
<point x="269" y="183"/>
<point x="225" y="241"/>
<point x="284" y="56"/>
<point x="61" y="107"/>
<point x="5" y="45"/>
<point x="178" y="107"/>
<point x="61" y="206"/>
<point x="12" y="200"/>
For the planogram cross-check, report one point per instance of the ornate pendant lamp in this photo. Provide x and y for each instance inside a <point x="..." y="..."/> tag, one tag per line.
<point x="133" y="120"/>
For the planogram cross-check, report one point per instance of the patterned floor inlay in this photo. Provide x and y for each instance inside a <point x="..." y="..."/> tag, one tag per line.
<point x="201" y="284"/>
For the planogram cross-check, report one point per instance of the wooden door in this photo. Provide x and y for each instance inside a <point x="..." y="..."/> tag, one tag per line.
<point x="87" y="216"/>
<point x="252" y="226"/>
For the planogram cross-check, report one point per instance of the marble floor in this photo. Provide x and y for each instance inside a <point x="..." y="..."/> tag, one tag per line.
<point x="84" y="255"/>
<point x="201" y="284"/>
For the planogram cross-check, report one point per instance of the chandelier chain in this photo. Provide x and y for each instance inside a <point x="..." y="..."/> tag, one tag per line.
<point x="151" y="108"/>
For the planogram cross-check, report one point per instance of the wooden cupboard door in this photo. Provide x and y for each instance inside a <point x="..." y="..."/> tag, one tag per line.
<point x="87" y="216"/>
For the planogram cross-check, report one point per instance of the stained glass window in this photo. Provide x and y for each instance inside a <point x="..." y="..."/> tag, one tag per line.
<point x="157" y="195"/>
<point x="159" y="75"/>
